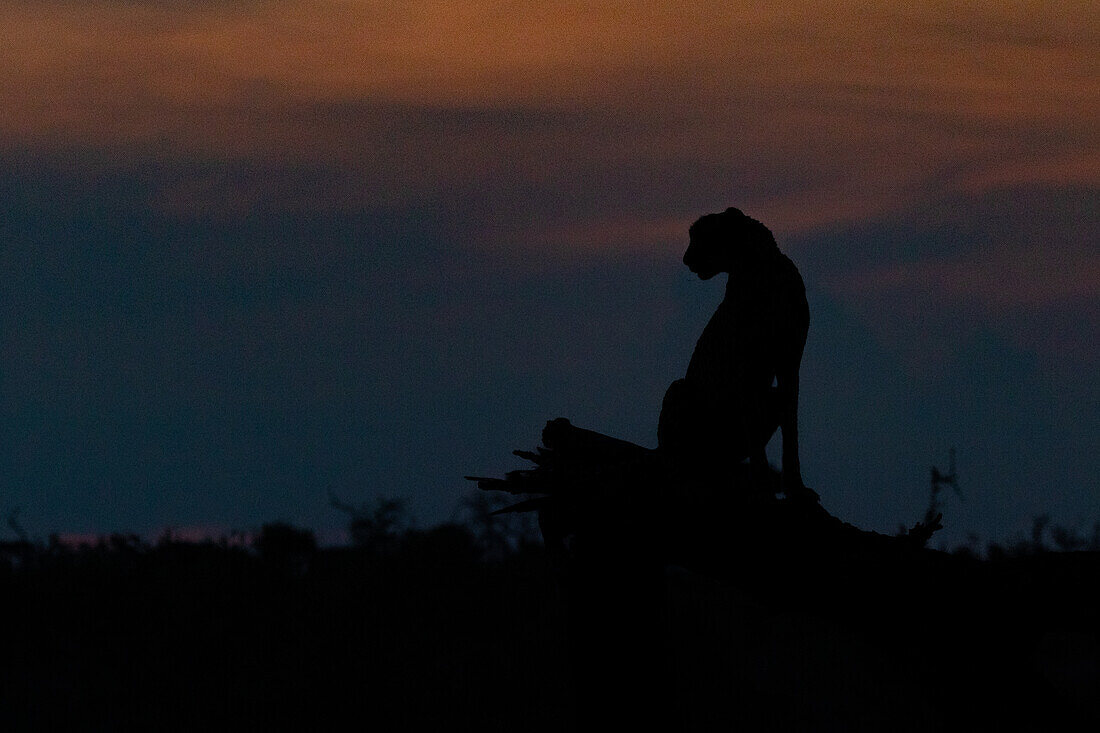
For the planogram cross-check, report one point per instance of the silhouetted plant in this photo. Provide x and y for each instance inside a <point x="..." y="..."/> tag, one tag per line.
<point x="930" y="523"/>
<point x="1061" y="539"/>
<point x="285" y="546"/>
<point x="1068" y="540"/>
<point x="442" y="546"/>
<point x="374" y="527"/>
<point x="938" y="481"/>
<point x="125" y="543"/>
<point x="16" y="526"/>
<point x="18" y="553"/>
<point x="496" y="535"/>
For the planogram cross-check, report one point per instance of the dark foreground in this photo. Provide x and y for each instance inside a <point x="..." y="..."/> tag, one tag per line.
<point x="427" y="633"/>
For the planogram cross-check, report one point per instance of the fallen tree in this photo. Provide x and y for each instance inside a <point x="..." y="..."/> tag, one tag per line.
<point x="615" y="513"/>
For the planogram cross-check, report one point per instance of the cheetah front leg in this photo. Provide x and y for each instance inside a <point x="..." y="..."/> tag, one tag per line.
<point x="793" y="487"/>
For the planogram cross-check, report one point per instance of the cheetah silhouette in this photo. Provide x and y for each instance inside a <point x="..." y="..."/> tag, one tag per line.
<point x="741" y="384"/>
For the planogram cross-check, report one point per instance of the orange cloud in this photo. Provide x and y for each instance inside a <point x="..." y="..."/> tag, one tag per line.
<point x="1017" y="278"/>
<point x="808" y="114"/>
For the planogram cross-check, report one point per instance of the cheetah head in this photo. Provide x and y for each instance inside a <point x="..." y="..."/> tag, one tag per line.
<point x="726" y="242"/>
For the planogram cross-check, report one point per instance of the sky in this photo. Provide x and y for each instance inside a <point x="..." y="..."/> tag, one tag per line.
<point x="253" y="251"/>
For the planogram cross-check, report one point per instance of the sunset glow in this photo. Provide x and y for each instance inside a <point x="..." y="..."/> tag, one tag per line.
<point x="256" y="245"/>
<point x="808" y="117"/>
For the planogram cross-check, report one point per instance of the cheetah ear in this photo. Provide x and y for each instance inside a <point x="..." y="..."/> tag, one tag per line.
<point x="736" y="224"/>
<point x="757" y="239"/>
<point x="732" y="222"/>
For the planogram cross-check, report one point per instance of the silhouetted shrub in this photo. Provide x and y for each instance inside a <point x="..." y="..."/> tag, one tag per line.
<point x="374" y="527"/>
<point x="444" y="546"/>
<point x="285" y="546"/>
<point x="496" y="535"/>
<point x="1044" y="537"/>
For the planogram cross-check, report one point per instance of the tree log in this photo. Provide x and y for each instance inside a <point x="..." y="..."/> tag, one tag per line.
<point x="612" y="511"/>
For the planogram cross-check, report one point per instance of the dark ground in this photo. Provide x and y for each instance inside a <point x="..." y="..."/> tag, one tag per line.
<point x="422" y="633"/>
